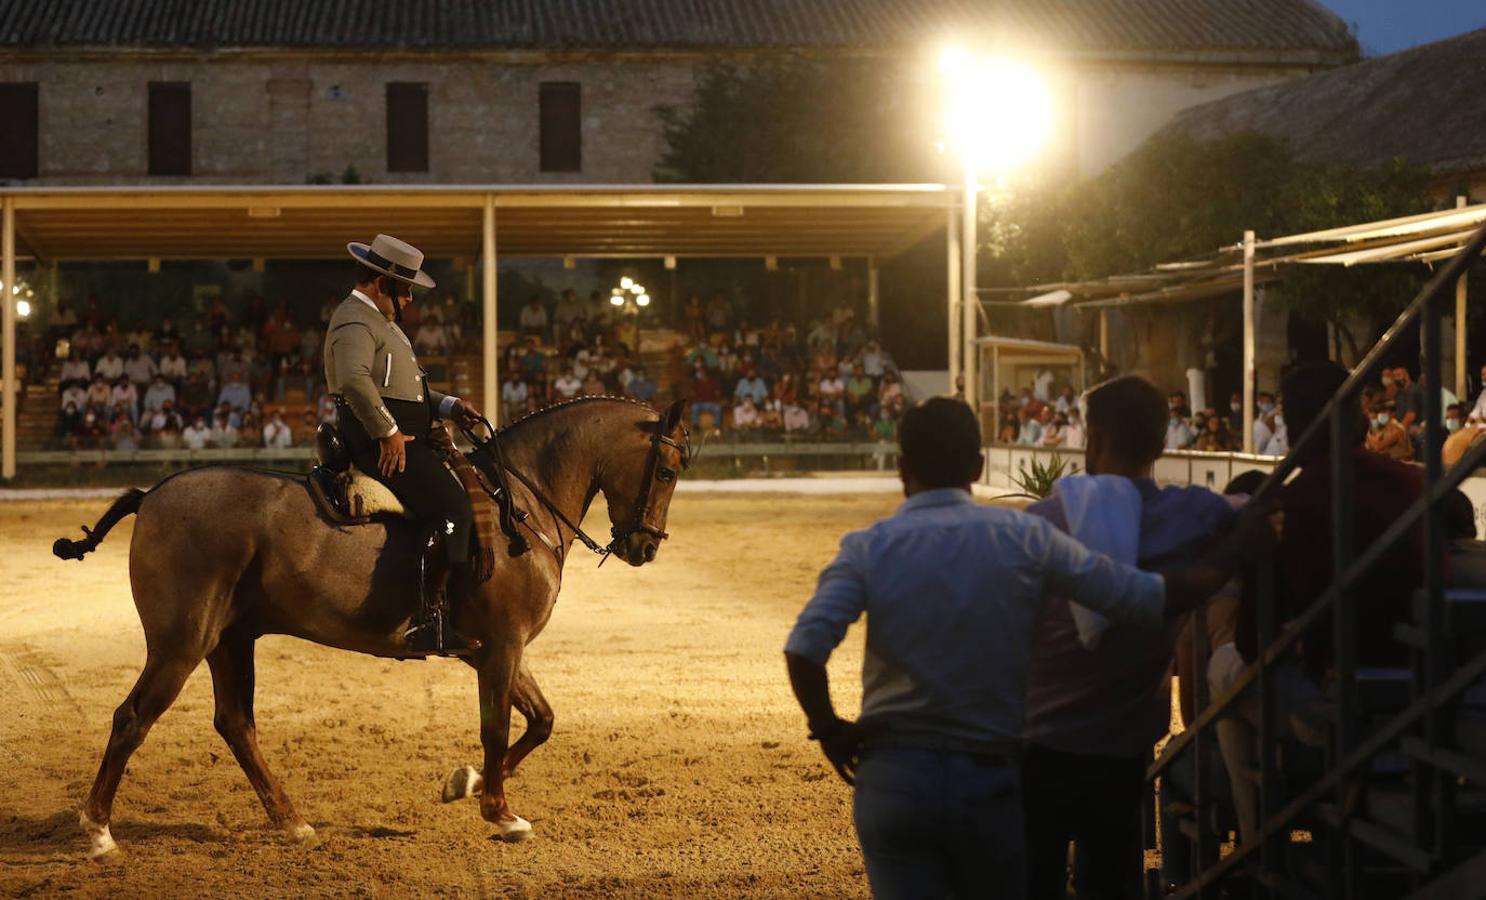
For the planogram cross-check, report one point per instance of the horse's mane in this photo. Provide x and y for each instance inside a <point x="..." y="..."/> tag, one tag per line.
<point x="564" y="404"/>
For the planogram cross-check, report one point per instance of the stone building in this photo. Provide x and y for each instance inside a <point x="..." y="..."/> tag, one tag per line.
<point x="281" y="91"/>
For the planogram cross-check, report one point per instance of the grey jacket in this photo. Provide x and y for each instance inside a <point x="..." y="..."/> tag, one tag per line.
<point x="368" y="358"/>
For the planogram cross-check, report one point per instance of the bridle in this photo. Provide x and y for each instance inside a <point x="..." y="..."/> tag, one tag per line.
<point x="487" y="453"/>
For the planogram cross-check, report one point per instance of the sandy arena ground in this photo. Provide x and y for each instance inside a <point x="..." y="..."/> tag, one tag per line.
<point x="679" y="765"/>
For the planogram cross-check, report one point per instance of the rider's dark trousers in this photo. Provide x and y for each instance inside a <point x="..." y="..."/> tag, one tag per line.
<point x="428" y="490"/>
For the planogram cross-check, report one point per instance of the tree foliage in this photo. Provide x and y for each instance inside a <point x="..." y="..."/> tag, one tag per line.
<point x="797" y="121"/>
<point x="1177" y="198"/>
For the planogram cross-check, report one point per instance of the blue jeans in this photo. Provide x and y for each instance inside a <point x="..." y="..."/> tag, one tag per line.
<point x="698" y="408"/>
<point x="936" y="824"/>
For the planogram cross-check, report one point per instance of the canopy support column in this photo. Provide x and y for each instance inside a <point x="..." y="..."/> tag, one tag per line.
<point x="491" y="401"/>
<point x="952" y="295"/>
<point x="1460" y="327"/>
<point x="7" y="351"/>
<point x="1248" y="342"/>
<point x="873" y="303"/>
<point x="970" y="302"/>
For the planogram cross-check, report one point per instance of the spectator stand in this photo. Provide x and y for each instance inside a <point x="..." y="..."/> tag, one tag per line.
<point x="1041" y="365"/>
<point x="42" y="225"/>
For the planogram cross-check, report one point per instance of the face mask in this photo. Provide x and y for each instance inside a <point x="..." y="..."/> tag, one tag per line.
<point x="1383" y="419"/>
<point x="1235" y="406"/>
<point x="1452" y="424"/>
<point x="1279" y="421"/>
<point x="1387" y="382"/>
<point x="1267" y="407"/>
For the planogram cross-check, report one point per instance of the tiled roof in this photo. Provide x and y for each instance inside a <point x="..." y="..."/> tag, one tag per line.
<point x="1424" y="105"/>
<point x="1279" y="28"/>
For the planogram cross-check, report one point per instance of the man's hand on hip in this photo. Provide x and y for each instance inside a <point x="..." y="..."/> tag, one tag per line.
<point x="393" y="454"/>
<point x="842" y="743"/>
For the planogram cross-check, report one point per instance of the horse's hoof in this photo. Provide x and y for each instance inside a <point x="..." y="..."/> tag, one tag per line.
<point x="101" y="842"/>
<point x="301" y="833"/>
<point x="513" y="830"/>
<point x="463" y="782"/>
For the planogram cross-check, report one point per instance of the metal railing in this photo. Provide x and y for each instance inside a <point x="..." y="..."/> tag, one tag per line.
<point x="1430" y="853"/>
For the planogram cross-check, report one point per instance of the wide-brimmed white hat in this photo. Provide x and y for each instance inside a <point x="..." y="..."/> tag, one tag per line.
<point x="393" y="257"/>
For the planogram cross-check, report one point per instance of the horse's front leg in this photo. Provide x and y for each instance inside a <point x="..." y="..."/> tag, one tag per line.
<point x="497" y="676"/>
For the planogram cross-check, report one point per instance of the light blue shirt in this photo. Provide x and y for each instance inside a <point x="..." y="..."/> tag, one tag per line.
<point x="951" y="590"/>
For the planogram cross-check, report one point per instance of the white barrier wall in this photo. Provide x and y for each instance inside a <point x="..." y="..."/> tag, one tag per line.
<point x="1212" y="470"/>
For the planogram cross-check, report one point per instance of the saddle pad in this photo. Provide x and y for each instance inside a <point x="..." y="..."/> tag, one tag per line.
<point x="366" y="496"/>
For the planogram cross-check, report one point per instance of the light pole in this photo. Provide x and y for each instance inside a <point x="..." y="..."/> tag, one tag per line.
<point x="998" y="113"/>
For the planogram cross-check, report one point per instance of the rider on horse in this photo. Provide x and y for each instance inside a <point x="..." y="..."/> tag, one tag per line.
<point x="385" y="411"/>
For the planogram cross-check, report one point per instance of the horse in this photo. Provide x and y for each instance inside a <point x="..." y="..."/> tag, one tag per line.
<point x="222" y="555"/>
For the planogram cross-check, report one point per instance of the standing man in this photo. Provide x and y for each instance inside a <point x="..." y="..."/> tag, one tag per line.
<point x="1095" y="712"/>
<point x="385" y="410"/>
<point x="951" y="590"/>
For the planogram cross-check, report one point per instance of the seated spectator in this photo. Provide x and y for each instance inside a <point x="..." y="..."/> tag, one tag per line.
<point x="200" y="339"/>
<point x="860" y="390"/>
<point x="796" y="418"/>
<point x="706" y="397"/>
<point x="533" y="360"/>
<point x="75" y="371"/>
<point x="197" y="436"/>
<point x="702" y="354"/>
<point x="1477" y="414"/>
<point x="75" y="393"/>
<point x="1388" y="436"/>
<point x="325" y="409"/>
<point x="885" y="426"/>
<point x="431" y="338"/>
<point x="91" y="430"/>
<point x="305" y="427"/>
<point x="746" y="415"/>
<point x="235" y="393"/>
<point x="1052" y="432"/>
<point x="100" y="393"/>
<point x="828" y="423"/>
<point x="1279" y="439"/>
<point x="173" y="366"/>
<point x="276" y="434"/>
<point x="139" y="366"/>
<point x="1030" y="433"/>
<point x="642" y="387"/>
<point x="1066" y="400"/>
<point x="832" y="388"/>
<point x="110" y="366"/>
<point x="752" y="387"/>
<point x="567" y="311"/>
<point x="168" y="435"/>
<point x="223" y="433"/>
<point x="874" y="361"/>
<point x="158" y="394"/>
<point x="68" y="422"/>
<point x="162" y="417"/>
<point x="125" y="397"/>
<point x="1214" y="437"/>
<point x="1073" y="432"/>
<point x="533" y="319"/>
<point x="1179" y="434"/>
<point x="593" y="385"/>
<point x="1459" y="438"/>
<point x="122" y="435"/>
<point x="568" y="385"/>
<point x="233" y="416"/>
<point x="513" y="397"/>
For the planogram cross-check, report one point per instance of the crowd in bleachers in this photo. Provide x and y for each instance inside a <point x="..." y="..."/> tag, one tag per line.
<point x="250" y="379"/>
<point x="1036" y="416"/>
<point x="830" y="380"/>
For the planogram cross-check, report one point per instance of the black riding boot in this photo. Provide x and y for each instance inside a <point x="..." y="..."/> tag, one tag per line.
<point x="431" y="634"/>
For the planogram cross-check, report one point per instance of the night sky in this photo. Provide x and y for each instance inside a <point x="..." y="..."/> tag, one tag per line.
<point x="1385" y="26"/>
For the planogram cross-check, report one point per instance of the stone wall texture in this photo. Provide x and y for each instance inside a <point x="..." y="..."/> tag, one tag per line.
<point x="282" y="120"/>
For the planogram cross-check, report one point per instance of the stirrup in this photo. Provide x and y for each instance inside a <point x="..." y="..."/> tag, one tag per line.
<point x="434" y="638"/>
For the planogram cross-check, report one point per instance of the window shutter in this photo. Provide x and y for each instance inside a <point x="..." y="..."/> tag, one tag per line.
<point x="18" y="110"/>
<point x="407" y="127"/>
<point x="170" y="128"/>
<point x="561" y="123"/>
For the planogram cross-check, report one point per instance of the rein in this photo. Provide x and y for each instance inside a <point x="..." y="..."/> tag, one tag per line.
<point x="489" y="449"/>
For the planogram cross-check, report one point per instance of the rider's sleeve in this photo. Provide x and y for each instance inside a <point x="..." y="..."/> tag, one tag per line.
<point x="442" y="402"/>
<point x="355" y="349"/>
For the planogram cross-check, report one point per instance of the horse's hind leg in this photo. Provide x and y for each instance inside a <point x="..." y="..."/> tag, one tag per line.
<point x="156" y="689"/>
<point x="232" y="682"/>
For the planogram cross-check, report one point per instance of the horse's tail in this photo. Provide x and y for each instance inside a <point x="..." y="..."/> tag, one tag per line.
<point x="126" y="505"/>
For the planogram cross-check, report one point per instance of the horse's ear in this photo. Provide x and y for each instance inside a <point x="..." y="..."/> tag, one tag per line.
<point x="673" y="416"/>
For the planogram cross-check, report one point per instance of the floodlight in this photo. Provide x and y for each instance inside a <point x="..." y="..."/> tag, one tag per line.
<point x="617" y="300"/>
<point x="23" y="308"/>
<point x="998" y="112"/>
<point x="626" y="282"/>
<point x="642" y="300"/>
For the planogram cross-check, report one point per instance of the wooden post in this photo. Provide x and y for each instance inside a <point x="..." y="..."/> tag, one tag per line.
<point x="970" y="301"/>
<point x="952" y="296"/>
<point x="491" y="401"/>
<point x="1460" y="327"/>
<point x="1248" y="342"/>
<point x="873" y="315"/>
<point x="1103" y="338"/>
<point x="7" y="347"/>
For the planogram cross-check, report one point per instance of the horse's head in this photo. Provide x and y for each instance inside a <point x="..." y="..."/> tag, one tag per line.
<point x="638" y="484"/>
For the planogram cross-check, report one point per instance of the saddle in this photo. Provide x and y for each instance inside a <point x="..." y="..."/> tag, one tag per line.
<point x="344" y="494"/>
